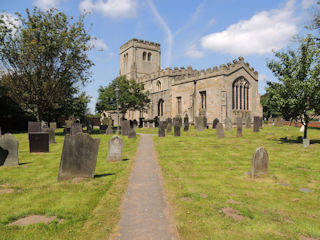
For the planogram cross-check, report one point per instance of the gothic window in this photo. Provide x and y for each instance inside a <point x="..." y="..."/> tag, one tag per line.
<point x="149" y="56"/>
<point x="144" y="56"/>
<point x="125" y="57"/>
<point x="160" y="108"/>
<point x="240" y="94"/>
<point x="179" y="105"/>
<point x="158" y="86"/>
<point x="203" y="99"/>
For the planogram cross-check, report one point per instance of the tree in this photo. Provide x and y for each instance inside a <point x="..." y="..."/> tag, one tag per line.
<point x="268" y="108"/>
<point x="131" y="96"/>
<point x="45" y="59"/>
<point x="297" y="94"/>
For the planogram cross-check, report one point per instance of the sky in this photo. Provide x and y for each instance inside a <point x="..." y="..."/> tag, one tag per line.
<point x="201" y="34"/>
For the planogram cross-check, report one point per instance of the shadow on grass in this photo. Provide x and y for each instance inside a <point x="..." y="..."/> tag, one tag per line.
<point x="24" y="163"/>
<point x="103" y="175"/>
<point x="125" y="159"/>
<point x="298" y="140"/>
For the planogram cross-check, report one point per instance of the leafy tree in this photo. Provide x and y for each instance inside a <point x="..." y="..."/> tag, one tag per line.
<point x="268" y="109"/>
<point x="45" y="59"/>
<point x="131" y="96"/>
<point x="297" y="94"/>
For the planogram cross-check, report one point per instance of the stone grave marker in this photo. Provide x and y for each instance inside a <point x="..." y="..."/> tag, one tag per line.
<point x="200" y="123"/>
<point x="228" y="124"/>
<point x="239" y="127"/>
<point x="151" y="124"/>
<point x="220" y="130"/>
<point x="89" y="126"/>
<point x="125" y="127"/>
<point x="132" y="133"/>
<point x="177" y="132"/>
<point x="145" y="124"/>
<point x="260" y="163"/>
<point x="51" y="132"/>
<point x="9" y="150"/>
<point x="186" y="123"/>
<point x="179" y="120"/>
<point x="248" y="122"/>
<point x="75" y="128"/>
<point x="79" y="156"/>
<point x="205" y="122"/>
<point x="103" y="128"/>
<point x="306" y="142"/>
<point x="109" y="130"/>
<point x="162" y="129"/>
<point x="256" y="123"/>
<point x="215" y="122"/>
<point x="169" y="125"/>
<point x="34" y="127"/>
<point x="260" y="122"/>
<point x="115" y="149"/>
<point x="53" y="125"/>
<point x="39" y="142"/>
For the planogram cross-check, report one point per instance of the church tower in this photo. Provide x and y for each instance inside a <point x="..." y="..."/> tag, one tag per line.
<point x="138" y="57"/>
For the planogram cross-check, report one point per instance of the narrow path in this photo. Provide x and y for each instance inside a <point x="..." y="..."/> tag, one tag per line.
<point x="144" y="209"/>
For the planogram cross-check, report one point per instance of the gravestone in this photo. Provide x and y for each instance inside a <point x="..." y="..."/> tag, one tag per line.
<point x="162" y="129"/>
<point x="177" y="132"/>
<point x="89" y="127"/>
<point x="8" y="150"/>
<point x="270" y="121"/>
<point x="44" y="124"/>
<point x="39" y="142"/>
<point x="109" y="130"/>
<point x="53" y="125"/>
<point x="260" y="162"/>
<point x="125" y="127"/>
<point x="169" y="125"/>
<point x="248" y="122"/>
<point x="151" y="124"/>
<point x="239" y="127"/>
<point x="200" y="123"/>
<point x="205" y="122"/>
<point x="34" y="127"/>
<point x="196" y="122"/>
<point x="75" y="128"/>
<point x="135" y="123"/>
<point x="115" y="149"/>
<point x="103" y="128"/>
<point x="132" y="133"/>
<point x="51" y="132"/>
<point x="141" y="122"/>
<point x="79" y="156"/>
<point x="145" y="124"/>
<point x="228" y="124"/>
<point x="256" y="123"/>
<point x="306" y="142"/>
<point x="186" y="123"/>
<point x="220" y="130"/>
<point x="179" y="120"/>
<point x="215" y="122"/>
<point x="260" y="122"/>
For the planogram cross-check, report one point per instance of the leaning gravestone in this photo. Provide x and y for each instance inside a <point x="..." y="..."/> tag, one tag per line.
<point x="260" y="163"/>
<point x="51" y="132"/>
<point x="256" y="123"/>
<point x="220" y="130"/>
<point x="79" y="156"/>
<point x="75" y="128"/>
<point x="53" y="125"/>
<point x="115" y="149"/>
<point x="186" y="123"/>
<point x="109" y="130"/>
<point x="169" y="125"/>
<point x="132" y="133"/>
<point x="215" y="122"/>
<point x="34" y="127"/>
<point x="125" y="127"/>
<point x="248" y="122"/>
<point x="228" y="124"/>
<point x="177" y="132"/>
<point x="162" y="129"/>
<point x="9" y="150"/>
<point x="239" y="127"/>
<point x="39" y="142"/>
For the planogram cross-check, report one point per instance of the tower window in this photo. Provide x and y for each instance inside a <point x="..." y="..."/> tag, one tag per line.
<point x="203" y="95"/>
<point x="144" y="56"/>
<point x="160" y="108"/>
<point x="149" y="56"/>
<point x="179" y="105"/>
<point x="158" y="86"/>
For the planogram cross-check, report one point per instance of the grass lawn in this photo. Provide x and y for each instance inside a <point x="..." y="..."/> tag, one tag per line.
<point x="204" y="175"/>
<point x="89" y="208"/>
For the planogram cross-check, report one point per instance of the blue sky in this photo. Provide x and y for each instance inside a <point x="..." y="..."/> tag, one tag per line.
<point x="201" y="34"/>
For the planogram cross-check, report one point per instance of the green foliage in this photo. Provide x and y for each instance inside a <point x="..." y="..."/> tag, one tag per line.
<point x="267" y="105"/>
<point x="297" y="94"/>
<point x="131" y="96"/>
<point x="45" y="58"/>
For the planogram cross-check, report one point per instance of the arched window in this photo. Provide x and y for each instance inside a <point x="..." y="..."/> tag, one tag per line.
<point x="240" y="94"/>
<point x="144" y="56"/>
<point x="160" y="108"/>
<point x="149" y="56"/>
<point x="158" y="86"/>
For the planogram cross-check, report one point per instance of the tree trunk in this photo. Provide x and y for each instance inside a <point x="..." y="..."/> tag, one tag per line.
<point x="305" y="130"/>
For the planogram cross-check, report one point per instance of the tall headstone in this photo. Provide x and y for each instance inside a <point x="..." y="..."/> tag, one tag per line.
<point x="186" y="123"/>
<point x="169" y="125"/>
<point x="177" y="131"/>
<point x="239" y="127"/>
<point x="260" y="162"/>
<point x="115" y="149"/>
<point x="200" y="123"/>
<point x="125" y="127"/>
<point x="220" y="130"/>
<point x="256" y="123"/>
<point x="162" y="129"/>
<point x="132" y="133"/>
<point x="51" y="132"/>
<point x="109" y="130"/>
<point x="34" y="127"/>
<point x="39" y="142"/>
<point x="8" y="150"/>
<point x="260" y="122"/>
<point x="89" y="126"/>
<point x="53" y="125"/>
<point x="79" y="156"/>
<point x="248" y="122"/>
<point x="228" y="124"/>
<point x="215" y="122"/>
<point x="75" y="128"/>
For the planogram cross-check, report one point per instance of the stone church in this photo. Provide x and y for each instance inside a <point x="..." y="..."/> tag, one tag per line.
<point x="229" y="90"/>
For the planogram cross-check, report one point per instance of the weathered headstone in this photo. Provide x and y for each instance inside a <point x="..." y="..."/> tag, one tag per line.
<point x="186" y="123"/>
<point x="89" y="127"/>
<point x="260" y="122"/>
<point x="109" y="130"/>
<point x="260" y="162"/>
<point x="162" y="129"/>
<point x="34" y="127"/>
<point x="145" y="124"/>
<point x="177" y="132"/>
<point x="125" y="127"/>
<point x="179" y="120"/>
<point x="39" y="142"/>
<point x="75" y="128"/>
<point x="306" y="142"/>
<point x="215" y="122"/>
<point x="151" y="124"/>
<point x="132" y="133"/>
<point x="115" y="149"/>
<point x="53" y="125"/>
<point x="205" y="122"/>
<point x="51" y="132"/>
<point x="256" y="123"/>
<point x="200" y="123"/>
<point x="169" y="125"/>
<point x="248" y="122"/>
<point x="220" y="130"/>
<point x="79" y="156"/>
<point x="228" y="124"/>
<point x="8" y="150"/>
<point x="239" y="127"/>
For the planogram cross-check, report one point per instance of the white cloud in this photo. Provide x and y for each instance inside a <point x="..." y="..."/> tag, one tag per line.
<point x="263" y="77"/>
<point x="193" y="52"/>
<point x="46" y="4"/>
<point x="10" y="20"/>
<point x="264" y="32"/>
<point x="307" y="3"/>
<point x="98" y="43"/>
<point x="111" y="8"/>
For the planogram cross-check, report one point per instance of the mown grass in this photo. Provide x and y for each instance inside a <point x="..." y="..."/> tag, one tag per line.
<point x="89" y="208"/>
<point x="201" y="173"/>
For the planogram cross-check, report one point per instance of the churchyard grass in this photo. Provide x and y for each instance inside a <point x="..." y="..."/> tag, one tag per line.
<point x="86" y="209"/>
<point x="203" y="175"/>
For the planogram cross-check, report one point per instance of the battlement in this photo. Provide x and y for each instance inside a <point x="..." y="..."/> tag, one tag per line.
<point x="134" y="42"/>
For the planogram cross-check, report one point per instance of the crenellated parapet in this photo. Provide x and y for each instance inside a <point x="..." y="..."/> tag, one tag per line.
<point x="134" y="42"/>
